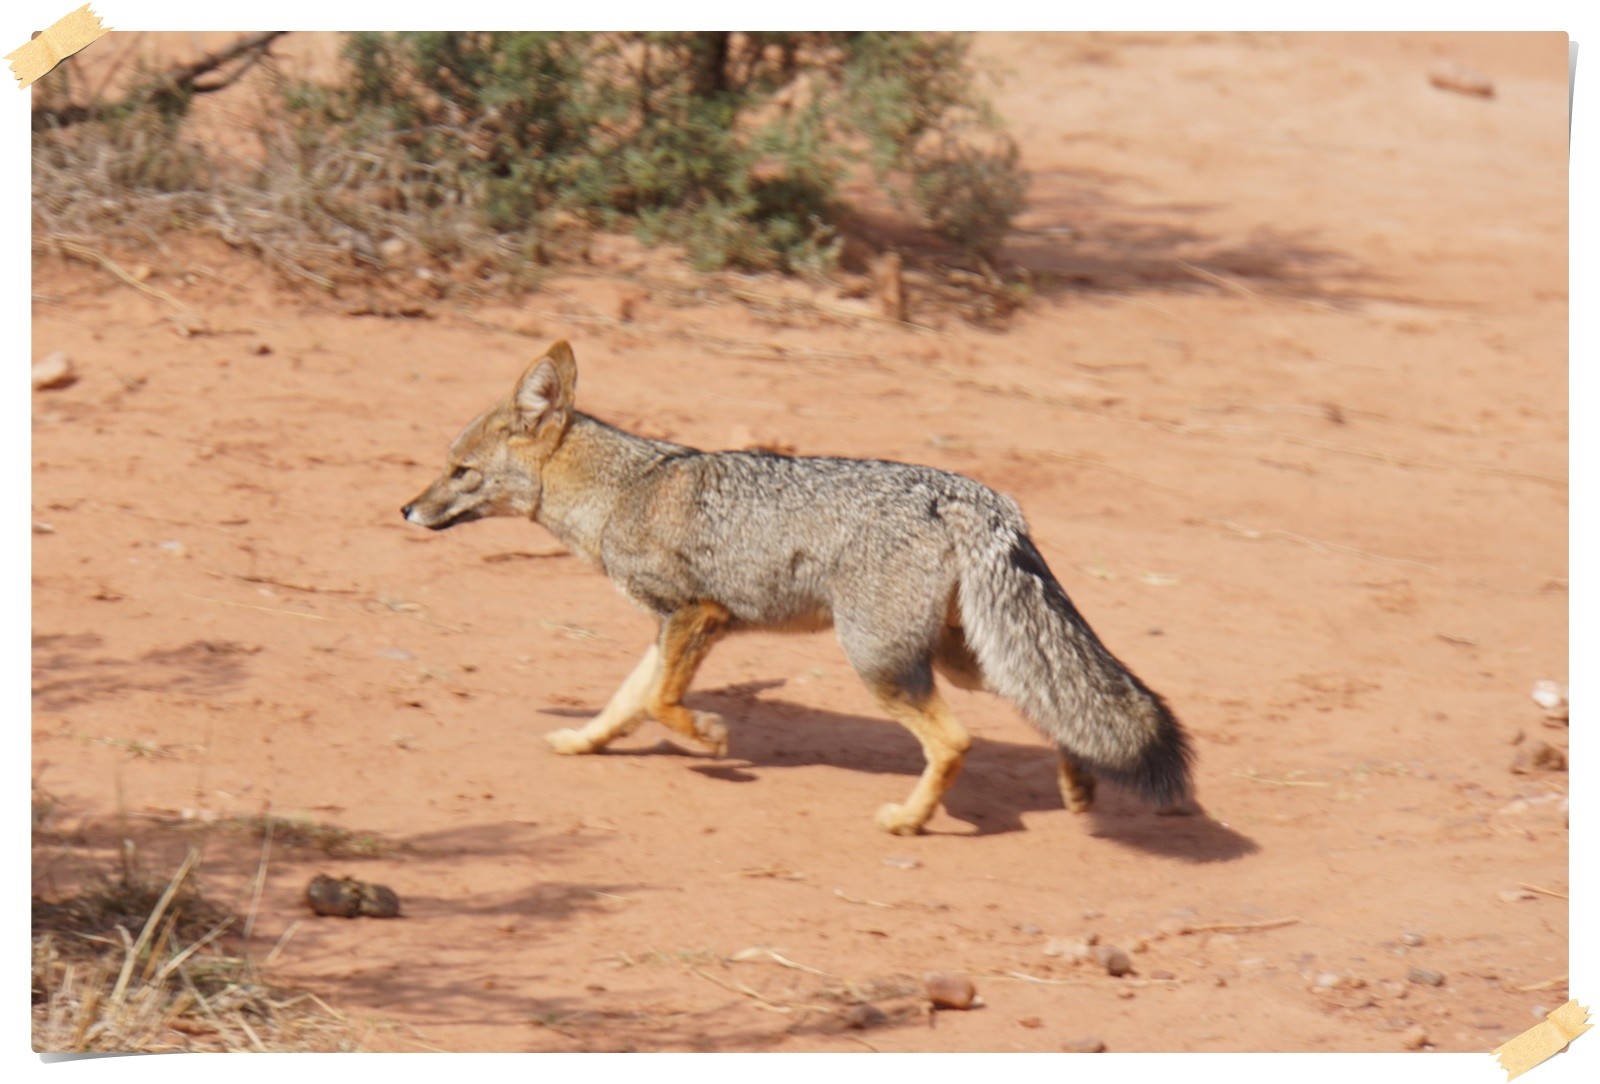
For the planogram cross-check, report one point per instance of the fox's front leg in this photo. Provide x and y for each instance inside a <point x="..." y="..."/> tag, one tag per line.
<point x="624" y="712"/>
<point x="687" y="637"/>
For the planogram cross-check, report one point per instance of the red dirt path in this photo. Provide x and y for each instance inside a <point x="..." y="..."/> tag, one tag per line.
<point x="1287" y="414"/>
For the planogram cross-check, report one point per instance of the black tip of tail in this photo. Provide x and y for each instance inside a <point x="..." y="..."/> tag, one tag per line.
<point x="1162" y="774"/>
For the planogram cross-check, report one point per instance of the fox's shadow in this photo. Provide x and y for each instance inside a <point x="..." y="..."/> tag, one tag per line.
<point x="1001" y="780"/>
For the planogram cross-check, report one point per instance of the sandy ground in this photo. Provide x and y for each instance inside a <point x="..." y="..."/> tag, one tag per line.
<point x="1287" y="413"/>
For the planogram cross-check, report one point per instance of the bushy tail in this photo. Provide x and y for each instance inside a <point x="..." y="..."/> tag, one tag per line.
<point x="1036" y="650"/>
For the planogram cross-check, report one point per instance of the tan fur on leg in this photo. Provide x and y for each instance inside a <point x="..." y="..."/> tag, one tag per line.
<point x="1077" y="785"/>
<point x="622" y="713"/>
<point x="944" y="744"/>
<point x="686" y="639"/>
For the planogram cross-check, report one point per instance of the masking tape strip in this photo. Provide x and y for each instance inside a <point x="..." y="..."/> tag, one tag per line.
<point x="1549" y="1036"/>
<point x="66" y="36"/>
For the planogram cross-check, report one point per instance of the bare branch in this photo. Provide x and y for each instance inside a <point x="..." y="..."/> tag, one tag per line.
<point x="181" y="80"/>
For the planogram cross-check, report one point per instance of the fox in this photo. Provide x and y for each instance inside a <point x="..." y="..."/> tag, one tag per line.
<point x="918" y="571"/>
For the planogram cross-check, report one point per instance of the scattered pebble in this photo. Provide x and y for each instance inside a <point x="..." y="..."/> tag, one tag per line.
<point x="1113" y="959"/>
<point x="901" y="861"/>
<point x="1413" y="939"/>
<point x="864" y="1016"/>
<point x="1028" y="929"/>
<point x="1461" y="80"/>
<point x="1090" y="938"/>
<point x="1549" y="695"/>
<point x="1392" y="988"/>
<point x="1031" y="1022"/>
<point x="41" y="527"/>
<point x="948" y="990"/>
<point x="399" y="654"/>
<point x="1538" y="756"/>
<point x="53" y="371"/>
<point x="1162" y="973"/>
<point x="1126" y="993"/>
<point x="1424" y="976"/>
<point x="1414" y="1038"/>
<point x="1072" y="950"/>
<point x="347" y="897"/>
<point x="1090" y="914"/>
<point x="1512" y="895"/>
<point x="1089" y="1044"/>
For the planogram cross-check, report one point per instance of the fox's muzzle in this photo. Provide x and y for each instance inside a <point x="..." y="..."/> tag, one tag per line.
<point x="414" y="515"/>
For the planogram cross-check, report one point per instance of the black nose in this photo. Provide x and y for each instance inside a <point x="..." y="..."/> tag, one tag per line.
<point x="406" y="511"/>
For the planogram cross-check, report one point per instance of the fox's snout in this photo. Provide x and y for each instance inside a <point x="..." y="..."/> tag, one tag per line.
<point x="436" y="511"/>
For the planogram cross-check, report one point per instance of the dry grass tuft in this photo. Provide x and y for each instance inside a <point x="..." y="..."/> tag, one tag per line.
<point x="129" y="965"/>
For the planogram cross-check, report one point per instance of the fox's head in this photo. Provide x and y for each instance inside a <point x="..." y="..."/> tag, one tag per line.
<point x="494" y="467"/>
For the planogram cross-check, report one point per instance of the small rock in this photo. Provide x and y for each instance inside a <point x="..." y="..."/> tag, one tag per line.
<point x="901" y="861"/>
<point x="1414" y="1038"/>
<point x="1512" y="895"/>
<point x="1219" y="980"/>
<point x="1413" y="939"/>
<point x="1028" y="929"/>
<point x="1126" y="993"/>
<point x="1538" y="756"/>
<point x="1113" y="959"/>
<point x="1461" y="80"/>
<point x="1424" y="976"/>
<point x="1090" y="938"/>
<point x="1090" y="914"/>
<point x="1030" y="1022"/>
<point x="261" y="349"/>
<point x="1326" y="981"/>
<point x="347" y="897"/>
<point x="1162" y="973"/>
<point x="1072" y="950"/>
<point x="41" y="527"/>
<point x="864" y="1016"/>
<point x="53" y="371"/>
<point x="948" y="990"/>
<point x="1139" y="944"/>
<point x="379" y="901"/>
<point x="1089" y="1044"/>
<point x="392" y="248"/>
<point x="1549" y="695"/>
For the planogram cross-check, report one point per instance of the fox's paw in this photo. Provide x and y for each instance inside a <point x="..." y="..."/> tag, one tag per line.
<point x="894" y="819"/>
<point x="569" y="742"/>
<point x="708" y="727"/>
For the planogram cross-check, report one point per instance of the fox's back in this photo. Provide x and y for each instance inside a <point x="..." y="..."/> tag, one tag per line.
<point x="779" y="539"/>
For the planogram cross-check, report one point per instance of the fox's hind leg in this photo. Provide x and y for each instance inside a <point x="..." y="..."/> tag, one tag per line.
<point x="944" y="745"/>
<point x="687" y="636"/>
<point x="623" y="713"/>
<point x="1077" y="784"/>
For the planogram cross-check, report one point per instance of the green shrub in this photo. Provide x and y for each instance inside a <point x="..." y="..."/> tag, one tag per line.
<point x="733" y="144"/>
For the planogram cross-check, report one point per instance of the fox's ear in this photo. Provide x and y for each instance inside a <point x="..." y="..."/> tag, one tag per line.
<point x="544" y="394"/>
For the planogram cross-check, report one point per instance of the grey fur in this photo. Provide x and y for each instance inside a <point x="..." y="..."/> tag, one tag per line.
<point x="915" y="568"/>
